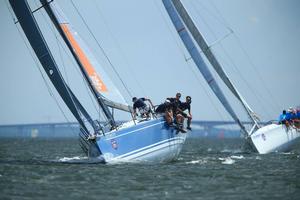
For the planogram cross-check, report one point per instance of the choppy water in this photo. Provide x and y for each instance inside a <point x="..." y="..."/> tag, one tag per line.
<point x="206" y="169"/>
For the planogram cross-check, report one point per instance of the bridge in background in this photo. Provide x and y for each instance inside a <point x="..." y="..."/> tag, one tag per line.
<point x="60" y="130"/>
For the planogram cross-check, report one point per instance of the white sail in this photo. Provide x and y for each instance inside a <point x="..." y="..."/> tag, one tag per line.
<point x="99" y="78"/>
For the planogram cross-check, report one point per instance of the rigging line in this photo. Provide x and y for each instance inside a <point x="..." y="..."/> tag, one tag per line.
<point x="203" y="19"/>
<point x="82" y="78"/>
<point x="30" y="52"/>
<point x="80" y="74"/>
<point x="188" y="64"/>
<point x="212" y="14"/>
<point x="224" y="22"/>
<point x="97" y="42"/>
<point x="240" y="44"/>
<point x="210" y="30"/>
<point x="255" y="93"/>
<point x="179" y="45"/>
<point x="45" y="81"/>
<point x="195" y="7"/>
<point x="62" y="59"/>
<point x="217" y="40"/>
<point x="231" y="60"/>
<point x="257" y="72"/>
<point x="205" y="90"/>
<point x="57" y="41"/>
<point x="53" y="30"/>
<point x="119" y="47"/>
<point x="49" y="89"/>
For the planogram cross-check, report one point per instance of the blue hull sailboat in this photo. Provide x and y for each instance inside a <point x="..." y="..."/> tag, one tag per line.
<point x="145" y="140"/>
<point x="263" y="139"/>
<point x="149" y="140"/>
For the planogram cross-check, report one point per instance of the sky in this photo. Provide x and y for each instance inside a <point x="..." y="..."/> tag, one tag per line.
<point x="257" y="42"/>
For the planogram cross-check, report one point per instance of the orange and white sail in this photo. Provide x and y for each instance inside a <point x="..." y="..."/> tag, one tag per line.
<point x="99" y="79"/>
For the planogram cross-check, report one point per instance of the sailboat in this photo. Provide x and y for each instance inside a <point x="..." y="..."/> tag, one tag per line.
<point x="136" y="140"/>
<point x="263" y="139"/>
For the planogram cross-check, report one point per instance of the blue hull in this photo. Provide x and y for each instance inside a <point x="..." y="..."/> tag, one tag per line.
<point x="146" y="141"/>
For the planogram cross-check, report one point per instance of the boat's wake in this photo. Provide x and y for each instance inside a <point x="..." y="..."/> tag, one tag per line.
<point x="80" y="160"/>
<point x="200" y="161"/>
<point x="234" y="151"/>
<point x="227" y="161"/>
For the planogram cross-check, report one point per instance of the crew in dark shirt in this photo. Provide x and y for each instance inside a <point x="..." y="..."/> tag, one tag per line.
<point x="176" y="101"/>
<point x="163" y="107"/>
<point x="143" y="108"/>
<point x="187" y="106"/>
<point x="177" y="112"/>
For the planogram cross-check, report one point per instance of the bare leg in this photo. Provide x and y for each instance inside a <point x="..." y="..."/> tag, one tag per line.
<point x="169" y="117"/>
<point x="189" y="123"/>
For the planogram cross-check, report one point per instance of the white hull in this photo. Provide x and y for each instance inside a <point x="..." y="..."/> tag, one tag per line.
<point x="274" y="137"/>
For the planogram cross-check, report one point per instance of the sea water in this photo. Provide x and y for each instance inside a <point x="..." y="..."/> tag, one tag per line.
<point x="206" y="169"/>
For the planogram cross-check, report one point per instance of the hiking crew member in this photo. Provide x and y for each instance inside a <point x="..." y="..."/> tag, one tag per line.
<point x="143" y="108"/>
<point x="177" y="112"/>
<point x="175" y="100"/>
<point x="167" y="109"/>
<point x="187" y="106"/>
<point x="290" y="117"/>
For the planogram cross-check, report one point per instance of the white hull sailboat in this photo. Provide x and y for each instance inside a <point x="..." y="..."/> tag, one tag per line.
<point x="275" y="138"/>
<point x="266" y="139"/>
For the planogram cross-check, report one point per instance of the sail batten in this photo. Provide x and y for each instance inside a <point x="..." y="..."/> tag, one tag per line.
<point x="196" y="56"/>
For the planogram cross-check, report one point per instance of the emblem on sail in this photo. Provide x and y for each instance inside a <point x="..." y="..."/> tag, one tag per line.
<point x="97" y="82"/>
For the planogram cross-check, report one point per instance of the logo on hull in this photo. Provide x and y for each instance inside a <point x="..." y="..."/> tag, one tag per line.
<point x="114" y="144"/>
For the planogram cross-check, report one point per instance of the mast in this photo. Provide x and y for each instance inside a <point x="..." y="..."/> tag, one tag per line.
<point x="41" y="49"/>
<point x="80" y="59"/>
<point x="211" y="57"/>
<point x="195" y="54"/>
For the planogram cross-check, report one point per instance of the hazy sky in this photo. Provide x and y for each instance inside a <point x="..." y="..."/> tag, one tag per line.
<point x="261" y="56"/>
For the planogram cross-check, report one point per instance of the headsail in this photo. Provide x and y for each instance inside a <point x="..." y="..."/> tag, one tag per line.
<point x="211" y="57"/>
<point x="192" y="49"/>
<point x="100" y="81"/>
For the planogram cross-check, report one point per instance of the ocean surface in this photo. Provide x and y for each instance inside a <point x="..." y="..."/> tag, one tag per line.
<point x="206" y="169"/>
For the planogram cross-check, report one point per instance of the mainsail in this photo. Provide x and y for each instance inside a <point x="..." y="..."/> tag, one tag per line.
<point x="41" y="49"/>
<point x="102" y="84"/>
<point x="211" y="57"/>
<point x="195" y="54"/>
